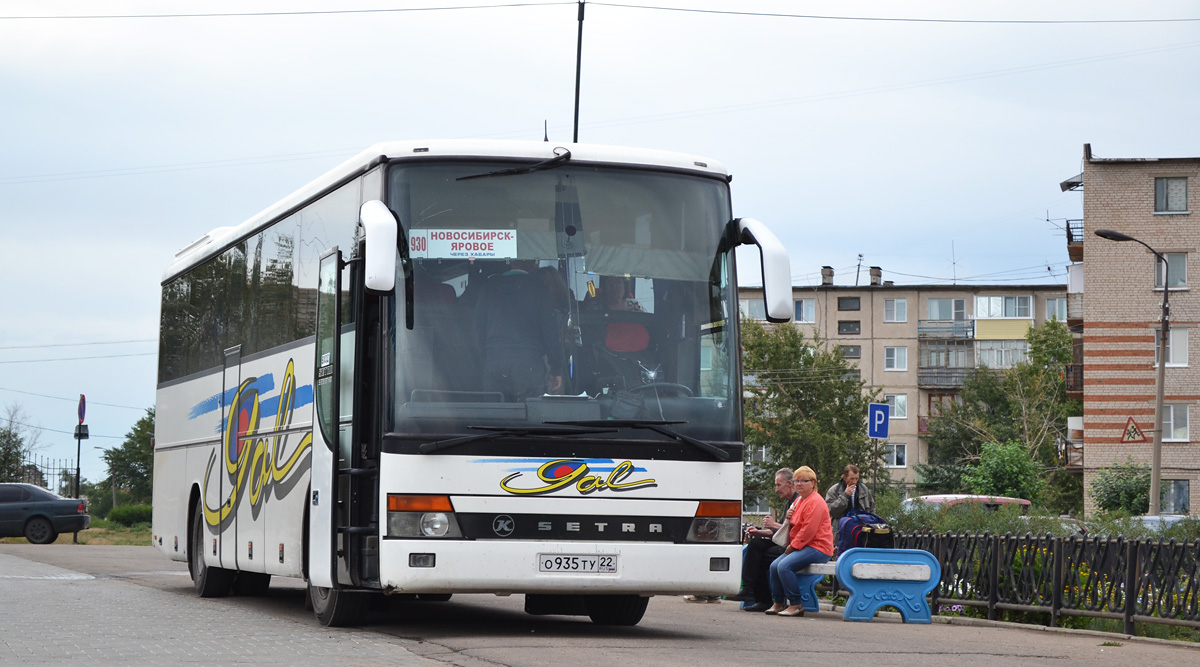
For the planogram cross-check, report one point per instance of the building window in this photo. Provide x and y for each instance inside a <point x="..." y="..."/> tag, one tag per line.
<point x="897" y="405"/>
<point x="1056" y="309"/>
<point x="948" y="309"/>
<point x="1176" y="270"/>
<point x="849" y="327"/>
<point x="895" y="358"/>
<point x="1175" y="422"/>
<point x="1001" y="353"/>
<point x="1170" y="195"/>
<point x="895" y="455"/>
<point x="851" y="351"/>
<point x="895" y="310"/>
<point x="755" y="309"/>
<point x="755" y="503"/>
<point x="1174" y="498"/>
<point x="999" y="307"/>
<point x="1177" y="347"/>
<point x="806" y="310"/>
<point x="849" y="303"/>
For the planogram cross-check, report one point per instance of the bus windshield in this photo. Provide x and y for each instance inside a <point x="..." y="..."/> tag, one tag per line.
<point x="575" y="293"/>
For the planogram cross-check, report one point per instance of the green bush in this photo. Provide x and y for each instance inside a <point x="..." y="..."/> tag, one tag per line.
<point x="128" y="515"/>
<point x="1005" y="470"/>
<point x="1125" y="487"/>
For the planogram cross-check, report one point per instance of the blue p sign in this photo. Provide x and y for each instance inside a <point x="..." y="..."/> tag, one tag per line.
<point x="877" y="420"/>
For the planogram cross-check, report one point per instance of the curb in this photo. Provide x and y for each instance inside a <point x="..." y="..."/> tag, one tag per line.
<point x="983" y="622"/>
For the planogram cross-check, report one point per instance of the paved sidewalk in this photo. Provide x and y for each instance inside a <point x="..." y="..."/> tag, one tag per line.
<point x="110" y="622"/>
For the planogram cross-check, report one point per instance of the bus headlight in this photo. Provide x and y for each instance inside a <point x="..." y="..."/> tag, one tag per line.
<point x="717" y="521"/>
<point x="434" y="524"/>
<point x="421" y="516"/>
<point x="715" y="529"/>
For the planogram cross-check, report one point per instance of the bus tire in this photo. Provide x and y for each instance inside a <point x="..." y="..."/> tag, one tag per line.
<point x="251" y="584"/>
<point x="336" y="608"/>
<point x="210" y="582"/>
<point x="616" y="609"/>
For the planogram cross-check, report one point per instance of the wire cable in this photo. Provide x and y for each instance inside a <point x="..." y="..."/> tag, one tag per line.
<point x="72" y="400"/>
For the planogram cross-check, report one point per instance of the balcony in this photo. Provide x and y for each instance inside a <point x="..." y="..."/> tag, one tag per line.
<point x="1075" y="310"/>
<point x="1075" y="240"/>
<point x="945" y="329"/>
<point x="1073" y="374"/>
<point x="1072" y="457"/>
<point x="941" y="378"/>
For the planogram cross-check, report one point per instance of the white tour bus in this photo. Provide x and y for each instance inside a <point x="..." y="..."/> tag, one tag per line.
<point x="464" y="367"/>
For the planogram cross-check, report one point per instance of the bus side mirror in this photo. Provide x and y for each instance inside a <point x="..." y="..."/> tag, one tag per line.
<point x="776" y="268"/>
<point x="379" y="230"/>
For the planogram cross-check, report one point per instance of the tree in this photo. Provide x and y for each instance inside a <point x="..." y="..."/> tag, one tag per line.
<point x="1005" y="470"/>
<point x="131" y="464"/>
<point x="1026" y="404"/>
<point x="17" y="441"/>
<point x="1124" y="487"/>
<point x="805" y="404"/>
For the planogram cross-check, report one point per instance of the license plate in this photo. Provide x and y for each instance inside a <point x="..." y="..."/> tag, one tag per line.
<point x="595" y="564"/>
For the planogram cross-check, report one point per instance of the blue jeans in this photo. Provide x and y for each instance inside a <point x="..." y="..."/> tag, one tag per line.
<point x="785" y="585"/>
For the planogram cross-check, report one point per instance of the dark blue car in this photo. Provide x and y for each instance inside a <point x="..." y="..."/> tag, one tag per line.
<point x="38" y="515"/>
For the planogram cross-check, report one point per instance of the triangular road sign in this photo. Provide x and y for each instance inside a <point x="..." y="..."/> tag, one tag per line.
<point x="1132" y="432"/>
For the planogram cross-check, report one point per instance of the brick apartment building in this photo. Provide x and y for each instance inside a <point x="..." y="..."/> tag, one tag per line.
<point x="1115" y="308"/>
<point x="915" y="343"/>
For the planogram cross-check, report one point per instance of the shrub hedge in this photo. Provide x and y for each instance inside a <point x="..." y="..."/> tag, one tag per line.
<point x="128" y="515"/>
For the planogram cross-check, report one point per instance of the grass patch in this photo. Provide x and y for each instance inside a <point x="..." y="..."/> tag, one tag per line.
<point x="1111" y="644"/>
<point x="101" y="532"/>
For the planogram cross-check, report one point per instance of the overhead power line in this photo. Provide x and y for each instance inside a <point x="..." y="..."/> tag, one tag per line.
<point x="892" y="19"/>
<point x="99" y="342"/>
<point x="726" y="12"/>
<point x="102" y="356"/>
<point x="55" y="430"/>
<point x="315" y="12"/>
<point x="72" y="400"/>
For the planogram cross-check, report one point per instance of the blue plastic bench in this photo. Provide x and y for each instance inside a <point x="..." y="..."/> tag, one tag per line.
<point x="875" y="578"/>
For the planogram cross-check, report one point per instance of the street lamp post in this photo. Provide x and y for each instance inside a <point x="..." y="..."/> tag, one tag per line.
<point x="1156" y="456"/>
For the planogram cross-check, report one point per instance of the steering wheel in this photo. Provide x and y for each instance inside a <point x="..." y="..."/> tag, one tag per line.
<point x="670" y="386"/>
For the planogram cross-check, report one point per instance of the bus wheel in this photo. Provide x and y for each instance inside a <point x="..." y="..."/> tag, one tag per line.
<point x="616" y="609"/>
<point x="210" y="582"/>
<point x="251" y="584"/>
<point x="338" y="608"/>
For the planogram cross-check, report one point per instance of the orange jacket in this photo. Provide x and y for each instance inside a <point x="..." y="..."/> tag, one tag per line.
<point x="810" y="526"/>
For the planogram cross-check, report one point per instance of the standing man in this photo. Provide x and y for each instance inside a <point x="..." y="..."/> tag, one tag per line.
<point x="848" y="495"/>
<point x="761" y="551"/>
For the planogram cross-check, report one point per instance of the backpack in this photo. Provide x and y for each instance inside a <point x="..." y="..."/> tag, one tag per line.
<point x="863" y="529"/>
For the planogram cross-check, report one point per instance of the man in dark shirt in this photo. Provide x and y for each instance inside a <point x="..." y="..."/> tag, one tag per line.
<point x="516" y="329"/>
<point x="760" y="550"/>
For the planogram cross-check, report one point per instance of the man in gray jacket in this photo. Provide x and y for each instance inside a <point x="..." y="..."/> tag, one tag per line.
<point x="848" y="495"/>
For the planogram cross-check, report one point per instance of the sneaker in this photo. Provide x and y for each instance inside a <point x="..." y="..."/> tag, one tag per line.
<point x="701" y="598"/>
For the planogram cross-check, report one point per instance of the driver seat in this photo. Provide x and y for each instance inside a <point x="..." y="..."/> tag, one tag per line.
<point x="626" y="349"/>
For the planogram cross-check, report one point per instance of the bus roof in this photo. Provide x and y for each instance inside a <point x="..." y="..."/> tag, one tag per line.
<point x="221" y="238"/>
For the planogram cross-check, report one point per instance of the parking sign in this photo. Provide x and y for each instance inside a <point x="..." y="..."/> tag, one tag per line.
<point x="877" y="420"/>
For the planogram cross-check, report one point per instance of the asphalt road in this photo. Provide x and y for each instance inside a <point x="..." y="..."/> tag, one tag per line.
<point x="101" y="605"/>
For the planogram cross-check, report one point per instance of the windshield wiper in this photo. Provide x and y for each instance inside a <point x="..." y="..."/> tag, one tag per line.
<point x="658" y="426"/>
<point x="493" y="432"/>
<point x="558" y="159"/>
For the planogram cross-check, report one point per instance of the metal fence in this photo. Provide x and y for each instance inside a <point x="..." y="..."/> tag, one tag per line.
<point x="57" y="475"/>
<point x="1131" y="581"/>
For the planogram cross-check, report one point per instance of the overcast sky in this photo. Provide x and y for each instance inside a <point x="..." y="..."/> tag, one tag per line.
<point x="934" y="148"/>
